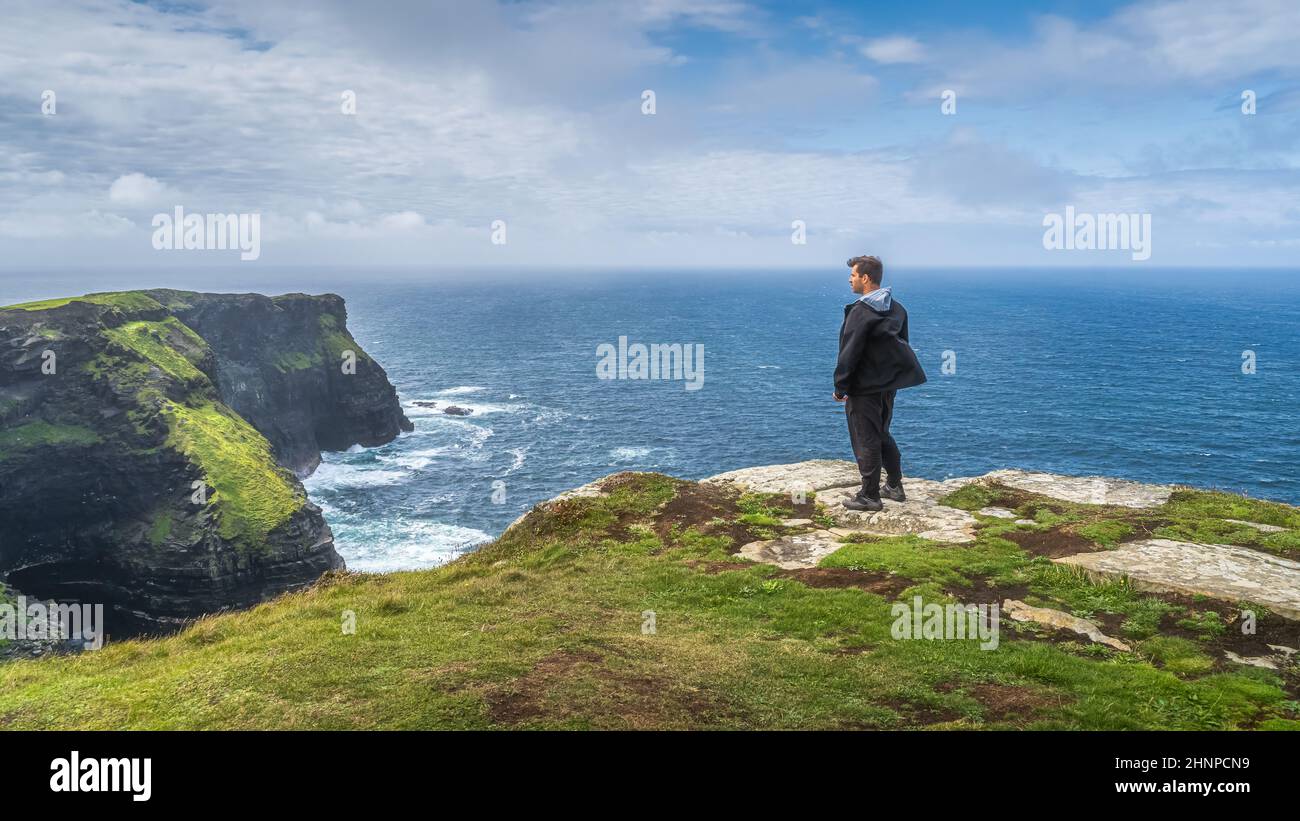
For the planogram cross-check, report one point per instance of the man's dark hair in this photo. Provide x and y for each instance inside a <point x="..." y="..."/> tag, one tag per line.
<point x="868" y="267"/>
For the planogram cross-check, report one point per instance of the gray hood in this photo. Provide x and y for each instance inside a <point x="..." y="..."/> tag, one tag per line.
<point x="879" y="299"/>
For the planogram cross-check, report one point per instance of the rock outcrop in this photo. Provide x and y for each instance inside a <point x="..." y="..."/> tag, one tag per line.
<point x="149" y="441"/>
<point x="279" y="364"/>
<point x="1221" y="571"/>
<point x="1229" y="573"/>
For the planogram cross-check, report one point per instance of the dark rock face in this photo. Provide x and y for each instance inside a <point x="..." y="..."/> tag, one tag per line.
<point x="280" y="365"/>
<point x="144" y="441"/>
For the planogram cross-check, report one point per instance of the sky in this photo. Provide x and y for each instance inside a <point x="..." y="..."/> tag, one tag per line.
<point x="772" y="123"/>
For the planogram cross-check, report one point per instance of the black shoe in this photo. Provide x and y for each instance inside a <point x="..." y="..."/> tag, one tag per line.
<point x="863" y="503"/>
<point x="894" y="492"/>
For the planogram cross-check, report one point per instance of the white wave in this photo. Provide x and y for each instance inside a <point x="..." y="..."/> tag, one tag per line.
<point x="464" y="435"/>
<point x="519" y="454"/>
<point x="437" y="408"/>
<point x="386" y="546"/>
<point x="335" y="475"/>
<point x="410" y="461"/>
<point x="629" y="454"/>
<point x="355" y="449"/>
<point x="460" y="390"/>
<point x="545" y="416"/>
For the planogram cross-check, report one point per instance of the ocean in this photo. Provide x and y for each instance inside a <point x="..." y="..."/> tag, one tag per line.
<point x="1082" y="374"/>
<point x="1139" y="376"/>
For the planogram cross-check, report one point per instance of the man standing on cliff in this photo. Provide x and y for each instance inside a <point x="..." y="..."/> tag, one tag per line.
<point x="875" y="361"/>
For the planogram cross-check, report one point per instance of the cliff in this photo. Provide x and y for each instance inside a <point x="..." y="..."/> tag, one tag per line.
<point x="149" y="440"/>
<point x="756" y="600"/>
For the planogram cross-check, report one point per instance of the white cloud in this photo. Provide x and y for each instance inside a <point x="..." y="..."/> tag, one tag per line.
<point x="137" y="189"/>
<point x="45" y="225"/>
<point x="529" y="112"/>
<point x="893" y="50"/>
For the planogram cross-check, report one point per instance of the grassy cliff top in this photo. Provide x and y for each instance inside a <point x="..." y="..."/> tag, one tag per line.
<point x="124" y="300"/>
<point x="150" y="299"/>
<point x="160" y="371"/>
<point x="548" y="627"/>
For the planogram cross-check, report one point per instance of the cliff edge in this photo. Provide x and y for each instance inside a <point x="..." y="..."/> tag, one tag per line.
<point x="149" y="442"/>
<point x="755" y="600"/>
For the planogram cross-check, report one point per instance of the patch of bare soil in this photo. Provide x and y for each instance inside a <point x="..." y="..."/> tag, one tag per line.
<point x="1007" y="702"/>
<point x="620" y="700"/>
<point x="711" y="509"/>
<point x="714" y="568"/>
<point x="915" y="714"/>
<point x="1268" y="629"/>
<point x="984" y="591"/>
<point x="1053" y="543"/>
<point x="878" y="582"/>
<point x="1012" y="498"/>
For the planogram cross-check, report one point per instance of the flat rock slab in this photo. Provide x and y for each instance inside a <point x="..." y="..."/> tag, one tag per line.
<point x="813" y="475"/>
<point x="1262" y="528"/>
<point x="998" y="512"/>
<point x="837" y="480"/>
<point x="1220" y="571"/>
<point x="1019" y="611"/>
<point x="793" y="552"/>
<point x="1089" y="490"/>
<point x="1254" y="661"/>
<point x="921" y="514"/>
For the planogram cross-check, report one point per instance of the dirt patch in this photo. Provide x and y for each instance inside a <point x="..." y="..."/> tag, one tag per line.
<point x="983" y="591"/>
<point x="711" y="509"/>
<point x="523" y="701"/>
<point x="1269" y="629"/>
<point x="878" y="582"/>
<point x="1012" y="498"/>
<point x="854" y="650"/>
<point x="1007" y="702"/>
<point x="714" y="568"/>
<point x="607" y="698"/>
<point x="915" y="714"/>
<point x="1053" y="543"/>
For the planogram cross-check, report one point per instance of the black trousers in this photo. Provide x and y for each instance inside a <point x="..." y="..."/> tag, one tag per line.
<point x="869" y="416"/>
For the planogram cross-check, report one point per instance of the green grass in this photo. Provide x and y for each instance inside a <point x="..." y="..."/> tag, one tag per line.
<point x="334" y="341"/>
<point x="544" y="629"/>
<point x="39" y="433"/>
<point x="970" y="497"/>
<point x="253" y="495"/>
<point x="161" y="528"/>
<point x="1201" y="516"/>
<point x="924" y="561"/>
<point x="297" y="361"/>
<point x="1106" y="532"/>
<point x="763" y="510"/>
<point x="1208" y="504"/>
<point x="167" y="344"/>
<point x="1177" y="655"/>
<point x="128" y="301"/>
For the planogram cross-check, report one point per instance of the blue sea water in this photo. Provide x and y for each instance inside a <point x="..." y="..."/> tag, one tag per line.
<point x="1082" y="374"/>
<point x="1121" y="374"/>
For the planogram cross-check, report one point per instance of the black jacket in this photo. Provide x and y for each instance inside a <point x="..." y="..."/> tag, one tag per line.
<point x="874" y="353"/>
